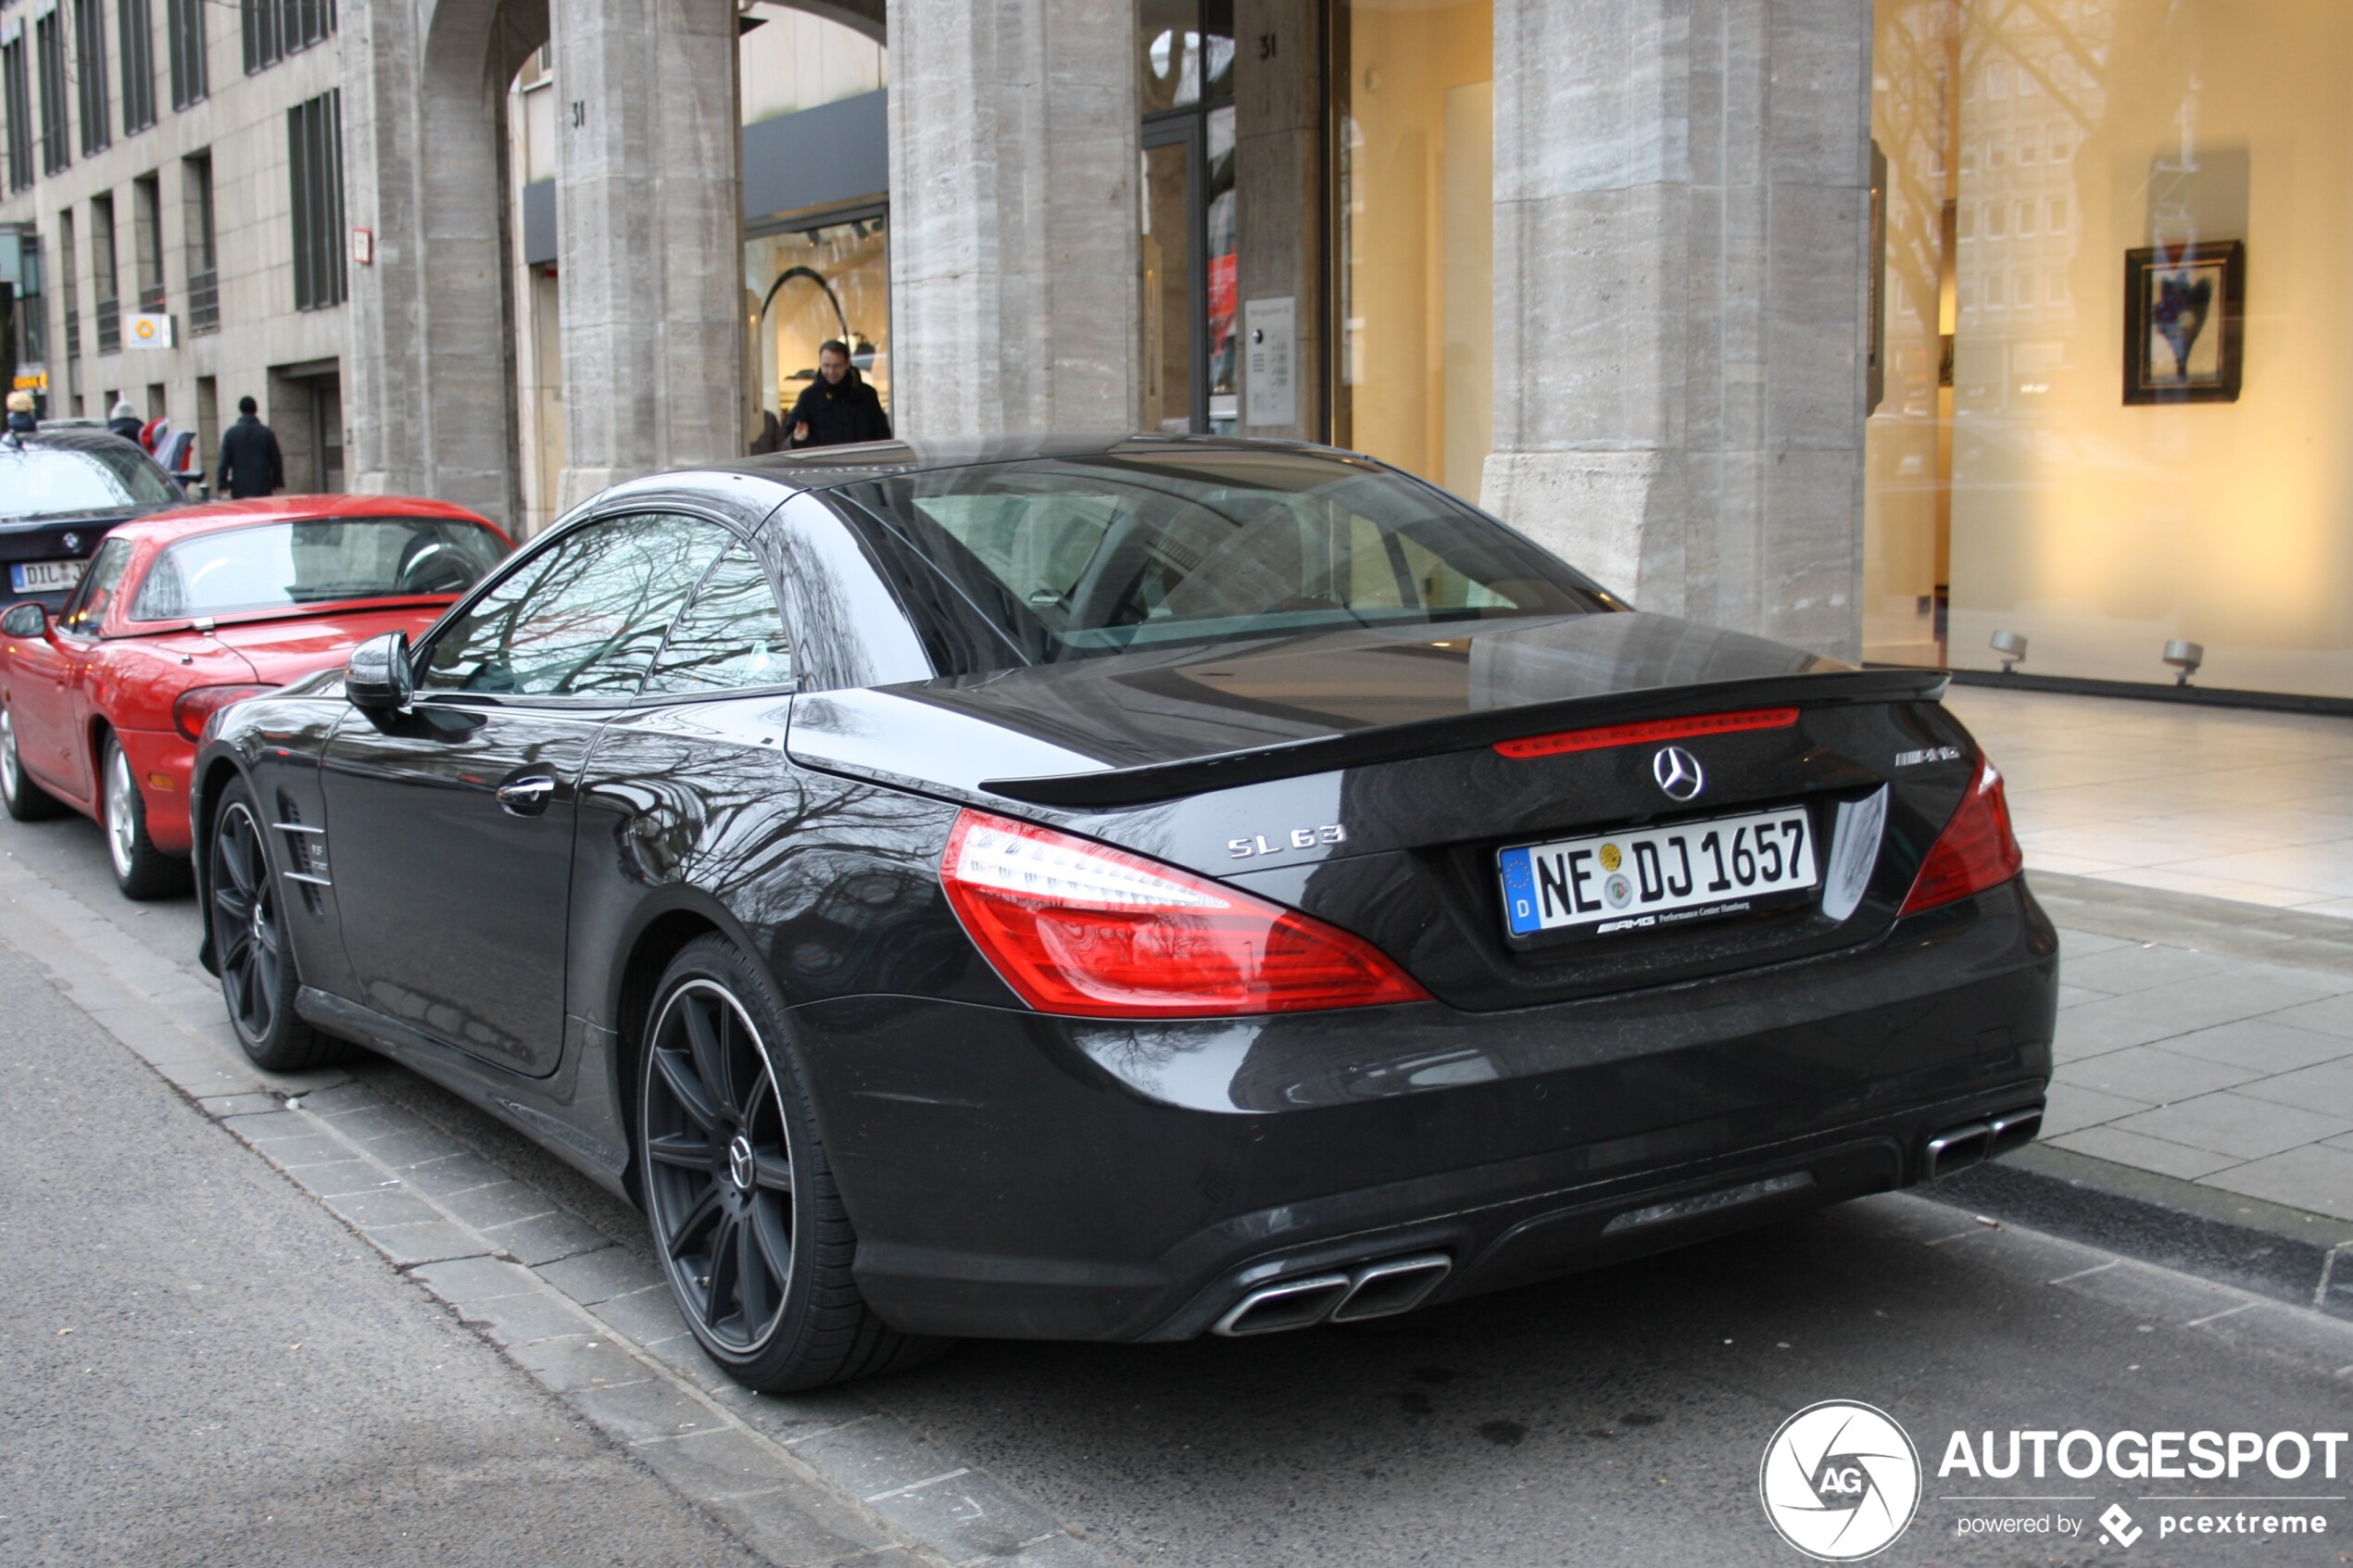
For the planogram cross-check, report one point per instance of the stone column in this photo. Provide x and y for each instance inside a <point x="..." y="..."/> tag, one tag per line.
<point x="1013" y="217"/>
<point x="431" y="377"/>
<point x="1681" y="217"/>
<point x="650" y="237"/>
<point x="1278" y="189"/>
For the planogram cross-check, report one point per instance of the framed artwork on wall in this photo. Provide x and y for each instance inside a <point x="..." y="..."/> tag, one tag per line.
<point x="2183" y="309"/>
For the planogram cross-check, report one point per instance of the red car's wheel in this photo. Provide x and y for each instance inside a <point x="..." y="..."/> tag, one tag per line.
<point x="141" y="870"/>
<point x="26" y="802"/>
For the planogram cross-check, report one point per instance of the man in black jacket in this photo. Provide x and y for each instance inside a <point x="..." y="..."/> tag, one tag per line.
<point x="838" y="407"/>
<point x="250" y="462"/>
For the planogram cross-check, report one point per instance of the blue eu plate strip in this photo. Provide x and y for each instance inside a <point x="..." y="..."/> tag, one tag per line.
<point x="1519" y="892"/>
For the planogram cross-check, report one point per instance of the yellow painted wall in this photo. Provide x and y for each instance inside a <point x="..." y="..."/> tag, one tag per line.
<point x="1416" y="340"/>
<point x="2100" y="530"/>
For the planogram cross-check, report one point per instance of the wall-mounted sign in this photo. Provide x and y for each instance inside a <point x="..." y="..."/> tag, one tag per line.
<point x="149" y="329"/>
<point x="1270" y="371"/>
<point x="363" y="248"/>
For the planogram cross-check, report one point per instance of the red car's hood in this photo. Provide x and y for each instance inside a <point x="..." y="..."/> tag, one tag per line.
<point x="280" y="651"/>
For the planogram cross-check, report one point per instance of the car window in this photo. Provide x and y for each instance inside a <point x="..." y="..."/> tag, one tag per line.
<point x="281" y="565"/>
<point x="583" y="618"/>
<point x="730" y="637"/>
<point x="1073" y="556"/>
<point x="62" y="481"/>
<point x="87" y="609"/>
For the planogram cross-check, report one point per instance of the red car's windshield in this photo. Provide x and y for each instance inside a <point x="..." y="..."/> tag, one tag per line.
<point x="282" y="565"/>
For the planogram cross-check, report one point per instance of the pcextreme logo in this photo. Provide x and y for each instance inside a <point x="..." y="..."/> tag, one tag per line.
<point x="1840" y="1481"/>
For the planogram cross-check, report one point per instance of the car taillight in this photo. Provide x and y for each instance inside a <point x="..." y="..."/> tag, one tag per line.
<point x="1976" y="849"/>
<point x="200" y="703"/>
<point x="1078" y="928"/>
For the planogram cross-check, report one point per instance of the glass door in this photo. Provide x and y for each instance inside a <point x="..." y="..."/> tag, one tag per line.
<point x="1190" y="245"/>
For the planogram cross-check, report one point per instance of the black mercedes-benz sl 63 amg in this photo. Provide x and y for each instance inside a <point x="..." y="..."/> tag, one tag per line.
<point x="1127" y="889"/>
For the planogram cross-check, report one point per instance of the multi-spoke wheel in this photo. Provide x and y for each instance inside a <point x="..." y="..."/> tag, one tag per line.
<point x="26" y="802"/>
<point x="141" y="870"/>
<point x="258" y="975"/>
<point x="749" y="1226"/>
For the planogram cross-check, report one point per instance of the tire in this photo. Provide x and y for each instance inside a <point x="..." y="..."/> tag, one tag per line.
<point x="746" y="1218"/>
<point x="26" y="802"/>
<point x="245" y="918"/>
<point x="141" y="870"/>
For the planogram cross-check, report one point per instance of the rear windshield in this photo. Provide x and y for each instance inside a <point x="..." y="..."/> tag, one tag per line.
<point x="273" y="566"/>
<point x="56" y="481"/>
<point x="1071" y="557"/>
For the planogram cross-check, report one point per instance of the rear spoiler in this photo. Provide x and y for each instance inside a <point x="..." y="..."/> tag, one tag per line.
<point x="1433" y="737"/>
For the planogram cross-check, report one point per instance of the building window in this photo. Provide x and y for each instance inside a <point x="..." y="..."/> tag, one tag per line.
<point x="314" y="158"/>
<point x="1191" y="252"/>
<point x="146" y="240"/>
<point x="90" y="67"/>
<point x="183" y="19"/>
<point x="204" y="278"/>
<point x="49" y="46"/>
<point x="18" y="80"/>
<point x="274" y="28"/>
<point x="138" y="65"/>
<point x="70" y="293"/>
<point x="105" y="276"/>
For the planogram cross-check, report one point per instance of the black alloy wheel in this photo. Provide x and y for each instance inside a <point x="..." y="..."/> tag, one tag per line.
<point x="247" y="920"/>
<point x="750" y="1229"/>
<point x="26" y="802"/>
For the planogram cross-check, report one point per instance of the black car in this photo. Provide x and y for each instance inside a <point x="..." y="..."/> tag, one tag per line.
<point x="1125" y="890"/>
<point x="60" y="492"/>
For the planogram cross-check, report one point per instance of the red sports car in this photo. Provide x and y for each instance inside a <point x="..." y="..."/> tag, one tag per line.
<point x="183" y="612"/>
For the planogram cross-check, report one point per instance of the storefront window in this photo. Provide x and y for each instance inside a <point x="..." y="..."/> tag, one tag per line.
<point x="829" y="280"/>
<point x="1191" y="249"/>
<point x="1415" y="336"/>
<point x="2113" y="320"/>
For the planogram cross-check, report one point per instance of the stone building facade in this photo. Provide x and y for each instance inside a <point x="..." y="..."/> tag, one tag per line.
<point x="151" y="178"/>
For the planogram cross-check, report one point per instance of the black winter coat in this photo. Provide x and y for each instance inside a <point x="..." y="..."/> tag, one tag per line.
<point x="250" y="462"/>
<point x="837" y="413"/>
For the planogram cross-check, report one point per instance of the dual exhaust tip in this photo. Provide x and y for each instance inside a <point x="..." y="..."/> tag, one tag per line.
<point x="1956" y="1149"/>
<point x="1370" y="1290"/>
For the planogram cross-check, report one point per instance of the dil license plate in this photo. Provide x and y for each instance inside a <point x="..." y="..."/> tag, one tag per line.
<point x="1657" y="876"/>
<point x="44" y="576"/>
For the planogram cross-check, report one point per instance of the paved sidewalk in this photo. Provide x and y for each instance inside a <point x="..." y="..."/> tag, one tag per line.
<point x="2199" y="864"/>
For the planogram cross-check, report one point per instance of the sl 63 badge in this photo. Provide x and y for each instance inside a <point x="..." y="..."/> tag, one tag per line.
<point x="1298" y="838"/>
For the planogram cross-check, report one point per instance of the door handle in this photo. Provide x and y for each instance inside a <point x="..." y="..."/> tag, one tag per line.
<point x="527" y="797"/>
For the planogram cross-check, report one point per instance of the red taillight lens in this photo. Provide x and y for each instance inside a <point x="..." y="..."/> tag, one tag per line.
<point x="1976" y="849"/>
<point x="200" y="703"/>
<point x="1078" y="928"/>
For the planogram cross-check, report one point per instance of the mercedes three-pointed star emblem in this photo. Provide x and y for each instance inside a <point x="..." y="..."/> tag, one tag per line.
<point x="1677" y="773"/>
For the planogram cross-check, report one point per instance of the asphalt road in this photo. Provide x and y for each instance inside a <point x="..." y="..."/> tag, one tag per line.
<point x="1615" y="1416"/>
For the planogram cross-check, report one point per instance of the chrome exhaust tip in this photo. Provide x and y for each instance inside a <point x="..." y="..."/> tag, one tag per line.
<point x="1293" y="1304"/>
<point x="1956" y="1149"/>
<point x="1398" y="1285"/>
<point x="2015" y="1129"/>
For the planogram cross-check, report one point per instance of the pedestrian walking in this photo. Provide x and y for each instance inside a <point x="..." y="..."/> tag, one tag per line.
<point x="20" y="420"/>
<point x="125" y="420"/>
<point x="250" y="462"/>
<point x="838" y="407"/>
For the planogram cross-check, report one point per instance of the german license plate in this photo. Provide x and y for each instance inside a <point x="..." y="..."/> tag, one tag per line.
<point x="1657" y="876"/>
<point x="44" y="576"/>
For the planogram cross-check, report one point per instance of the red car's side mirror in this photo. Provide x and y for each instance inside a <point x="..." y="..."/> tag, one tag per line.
<point x="28" y="620"/>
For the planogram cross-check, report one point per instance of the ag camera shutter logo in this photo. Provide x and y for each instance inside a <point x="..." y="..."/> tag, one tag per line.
<point x="1840" y="1481"/>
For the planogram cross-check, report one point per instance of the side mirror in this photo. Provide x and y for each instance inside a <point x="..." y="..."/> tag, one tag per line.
<point x="376" y="676"/>
<point x="28" y="620"/>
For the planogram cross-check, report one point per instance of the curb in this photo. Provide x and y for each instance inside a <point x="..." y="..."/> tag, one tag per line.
<point x="2265" y="1249"/>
